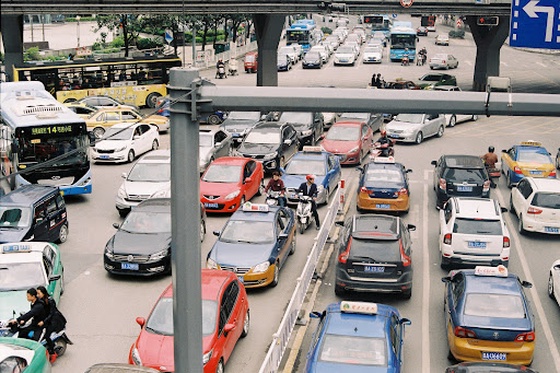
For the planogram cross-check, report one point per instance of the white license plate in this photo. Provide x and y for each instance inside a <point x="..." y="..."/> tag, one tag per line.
<point x="130" y="266"/>
<point x="501" y="356"/>
<point x="464" y="188"/>
<point x="210" y="205"/>
<point x="476" y="245"/>
<point x="374" y="269"/>
<point x="551" y="230"/>
<point x="382" y="206"/>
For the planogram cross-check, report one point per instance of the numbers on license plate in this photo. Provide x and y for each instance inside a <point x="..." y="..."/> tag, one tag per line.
<point x="374" y="269"/>
<point x="494" y="356"/>
<point x="476" y="244"/>
<point x="131" y="266"/>
<point x="534" y="172"/>
<point x="382" y="206"/>
<point x="210" y="205"/>
<point x="552" y="229"/>
<point x="464" y="188"/>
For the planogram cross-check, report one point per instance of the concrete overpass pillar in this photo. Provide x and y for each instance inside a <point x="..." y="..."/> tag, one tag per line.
<point x="12" y="38"/>
<point x="268" y="28"/>
<point x="489" y="41"/>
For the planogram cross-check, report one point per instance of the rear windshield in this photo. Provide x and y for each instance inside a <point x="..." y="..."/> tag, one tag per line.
<point x="463" y="174"/>
<point x="349" y="349"/>
<point x="475" y="226"/>
<point x="548" y="200"/>
<point x="380" y="251"/>
<point x="494" y="305"/>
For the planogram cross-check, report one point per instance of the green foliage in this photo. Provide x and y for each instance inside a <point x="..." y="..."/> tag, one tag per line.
<point x="147" y="43"/>
<point x="326" y="30"/>
<point x="117" y="42"/>
<point x="31" y="54"/>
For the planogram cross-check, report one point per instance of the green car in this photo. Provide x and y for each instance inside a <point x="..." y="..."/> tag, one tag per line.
<point x="431" y="80"/>
<point x="23" y="355"/>
<point x="27" y="265"/>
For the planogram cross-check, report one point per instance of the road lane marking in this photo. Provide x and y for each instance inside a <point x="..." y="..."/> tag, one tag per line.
<point x="425" y="279"/>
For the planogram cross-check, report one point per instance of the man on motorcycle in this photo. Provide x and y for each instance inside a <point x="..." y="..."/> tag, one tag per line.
<point x="490" y="159"/>
<point x="309" y="188"/>
<point x="220" y="69"/>
<point x="277" y="185"/>
<point x="384" y="140"/>
<point x="37" y="314"/>
<point x="405" y="58"/>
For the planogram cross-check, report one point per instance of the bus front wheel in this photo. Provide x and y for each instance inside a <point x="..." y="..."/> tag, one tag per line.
<point x="151" y="100"/>
<point x="98" y="132"/>
<point x="69" y="100"/>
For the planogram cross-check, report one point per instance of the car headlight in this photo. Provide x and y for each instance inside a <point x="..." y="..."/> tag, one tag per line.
<point x="320" y="188"/>
<point x="232" y="195"/>
<point x="211" y="264"/>
<point x="268" y="157"/>
<point x="159" y="255"/>
<point x="306" y="132"/>
<point x="354" y="150"/>
<point x="109" y="253"/>
<point x="120" y="149"/>
<point x="206" y="357"/>
<point x="261" y="268"/>
<point x="136" y="356"/>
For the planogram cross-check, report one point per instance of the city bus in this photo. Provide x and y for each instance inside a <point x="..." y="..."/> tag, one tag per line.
<point x="135" y="81"/>
<point x="378" y="22"/>
<point x="303" y="33"/>
<point x="403" y="41"/>
<point x="42" y="141"/>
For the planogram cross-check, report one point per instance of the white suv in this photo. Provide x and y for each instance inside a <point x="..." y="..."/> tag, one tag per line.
<point x="473" y="232"/>
<point x="536" y="202"/>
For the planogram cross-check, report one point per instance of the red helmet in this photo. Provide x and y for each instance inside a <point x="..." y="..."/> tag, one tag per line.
<point x="310" y="177"/>
<point x="383" y="132"/>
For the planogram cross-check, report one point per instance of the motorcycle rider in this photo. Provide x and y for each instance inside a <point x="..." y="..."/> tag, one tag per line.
<point x="405" y="58"/>
<point x="54" y="322"/>
<point x="220" y="64"/>
<point x="384" y="139"/>
<point x="309" y="188"/>
<point x="490" y="159"/>
<point x="277" y="185"/>
<point x="37" y="314"/>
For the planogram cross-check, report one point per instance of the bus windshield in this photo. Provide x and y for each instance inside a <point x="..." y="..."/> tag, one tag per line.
<point x="401" y="41"/>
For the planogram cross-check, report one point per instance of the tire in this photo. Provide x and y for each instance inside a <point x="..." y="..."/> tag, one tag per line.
<point x="474" y="118"/>
<point x="60" y="346"/>
<point x="246" y="325"/>
<point x="214" y="119"/>
<point x="444" y="264"/>
<point x="293" y="245"/>
<point x="508" y="180"/>
<point x="511" y="207"/>
<point x="440" y="131"/>
<point x="131" y="156"/>
<point x="339" y="290"/>
<point x="301" y="228"/>
<point x="155" y="145"/>
<point x="450" y="357"/>
<point x="407" y="294"/>
<point x="276" y="276"/>
<point x="98" y="132"/>
<point x="431" y="67"/>
<point x="452" y="121"/>
<point x="520" y="227"/>
<point x="220" y="367"/>
<point x="63" y="233"/>
<point x="551" y="287"/>
<point x="260" y="191"/>
<point x="123" y="213"/>
<point x="419" y="138"/>
<point x="62" y="283"/>
<point x="151" y="100"/>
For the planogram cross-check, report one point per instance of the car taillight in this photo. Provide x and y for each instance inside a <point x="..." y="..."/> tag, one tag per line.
<point x="443" y="61"/>
<point x="343" y="257"/>
<point x="442" y="184"/>
<point x="402" y="192"/>
<point x="506" y="242"/>
<point x="463" y="332"/>
<point x="406" y="261"/>
<point x="534" y="210"/>
<point x="447" y="239"/>
<point x="552" y="173"/>
<point x="364" y="190"/>
<point x="486" y="186"/>
<point x="517" y="170"/>
<point x="525" y="337"/>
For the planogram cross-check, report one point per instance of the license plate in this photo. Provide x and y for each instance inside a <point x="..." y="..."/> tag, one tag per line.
<point x="374" y="269"/>
<point x="210" y="205"/>
<point x="464" y="188"/>
<point x="394" y="136"/>
<point x="476" y="245"/>
<point x="382" y="206"/>
<point x="551" y="230"/>
<point x="130" y="266"/>
<point x="494" y="356"/>
<point x="535" y="172"/>
<point x="103" y="157"/>
<point x="240" y="278"/>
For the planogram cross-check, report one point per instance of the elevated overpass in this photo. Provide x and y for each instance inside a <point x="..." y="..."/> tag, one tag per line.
<point x="269" y="17"/>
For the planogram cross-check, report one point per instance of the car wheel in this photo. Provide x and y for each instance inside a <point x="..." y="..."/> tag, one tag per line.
<point x="220" y="367"/>
<point x="407" y="294"/>
<point x="60" y="346"/>
<point x="155" y="145"/>
<point x="452" y="121"/>
<point x="444" y="263"/>
<point x="520" y="227"/>
<point x="419" y="138"/>
<point x="151" y="100"/>
<point x="98" y="132"/>
<point x="276" y="276"/>
<point x="202" y="230"/>
<point x="62" y="283"/>
<point x="301" y="227"/>
<point x="293" y="245"/>
<point x="214" y="119"/>
<point x="456" y="66"/>
<point x="246" y="325"/>
<point x="339" y="290"/>
<point x="431" y="67"/>
<point x="551" y="286"/>
<point x="260" y="191"/>
<point x="131" y="156"/>
<point x="440" y="132"/>
<point x="474" y="118"/>
<point x="63" y="234"/>
<point x="450" y="357"/>
<point x="508" y="180"/>
<point x="123" y="212"/>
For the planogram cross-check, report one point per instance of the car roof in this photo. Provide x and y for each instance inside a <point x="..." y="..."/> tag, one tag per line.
<point x="212" y="280"/>
<point x="463" y="161"/>
<point x="358" y="324"/>
<point x="311" y="155"/>
<point x="271" y="125"/>
<point x="24" y="348"/>
<point x="375" y="227"/>
<point x="397" y="166"/>
<point x="471" y="207"/>
<point x="231" y="160"/>
<point x="256" y="215"/>
<point x="22" y="252"/>
<point x="154" y="205"/>
<point x="156" y="156"/>
<point x="27" y="195"/>
<point x="545" y="185"/>
<point x="491" y="285"/>
<point x="348" y="123"/>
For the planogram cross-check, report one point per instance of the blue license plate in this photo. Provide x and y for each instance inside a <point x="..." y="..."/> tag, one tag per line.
<point x="382" y="206"/>
<point x="464" y="188"/>
<point x="103" y="157"/>
<point x="476" y="245"/>
<point x="394" y="136"/>
<point x="551" y="230"/>
<point x="374" y="269"/>
<point x="501" y="356"/>
<point x="240" y="278"/>
<point x="535" y="172"/>
<point x="130" y="266"/>
<point x="210" y="205"/>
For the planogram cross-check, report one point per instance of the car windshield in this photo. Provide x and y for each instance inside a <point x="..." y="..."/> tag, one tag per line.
<point x="347" y="349"/>
<point x="246" y="115"/>
<point x="161" y="318"/>
<point x="409" y="118"/>
<point x="379" y="251"/>
<point x="431" y="78"/>
<point x="460" y="175"/>
<point x="388" y="178"/>
<point x="295" y="117"/>
<point x="118" y="133"/>
<point x="548" y="200"/>
<point x="257" y="232"/>
<point x="221" y="173"/>
<point x="21" y="276"/>
<point x="343" y="133"/>
<point x="494" y="305"/>
<point x="478" y="227"/>
<point x="305" y="167"/>
<point x="14" y="217"/>
<point x="353" y="116"/>
<point x="147" y="222"/>
<point x="265" y="136"/>
<point x="205" y="140"/>
<point x="534" y="156"/>
<point x="345" y="49"/>
<point x="151" y="172"/>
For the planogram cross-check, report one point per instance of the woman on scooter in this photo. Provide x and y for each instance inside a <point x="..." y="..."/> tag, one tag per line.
<point x="54" y="322"/>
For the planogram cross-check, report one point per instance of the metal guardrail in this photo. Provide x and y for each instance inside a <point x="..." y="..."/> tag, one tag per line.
<point x="281" y="338"/>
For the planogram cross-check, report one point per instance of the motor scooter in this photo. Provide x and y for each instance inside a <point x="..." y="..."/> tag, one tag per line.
<point x="273" y="198"/>
<point x="233" y="67"/>
<point x="493" y="172"/>
<point x="221" y="72"/>
<point x="382" y="151"/>
<point x="303" y="212"/>
<point x="59" y="338"/>
<point x="405" y="61"/>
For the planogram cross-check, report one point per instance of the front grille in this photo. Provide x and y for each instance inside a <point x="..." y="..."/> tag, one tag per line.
<point x="236" y="270"/>
<point x="210" y="197"/>
<point x="134" y="258"/>
<point x="105" y="151"/>
<point x="137" y="197"/>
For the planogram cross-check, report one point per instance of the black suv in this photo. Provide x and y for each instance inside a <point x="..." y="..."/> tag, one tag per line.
<point x="461" y="176"/>
<point x="272" y="143"/>
<point x="310" y="126"/>
<point x="374" y="255"/>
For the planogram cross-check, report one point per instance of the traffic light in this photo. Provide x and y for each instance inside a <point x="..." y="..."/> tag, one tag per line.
<point x="488" y="21"/>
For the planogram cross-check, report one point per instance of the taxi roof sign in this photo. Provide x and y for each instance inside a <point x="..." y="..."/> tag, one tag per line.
<point x="531" y="143"/>
<point x="389" y="159"/>
<point x="499" y="271"/>
<point x="358" y="307"/>
<point x="312" y="149"/>
<point x="259" y="207"/>
<point x="15" y="248"/>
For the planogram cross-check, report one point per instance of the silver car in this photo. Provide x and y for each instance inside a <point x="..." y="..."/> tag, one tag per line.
<point x="415" y="127"/>
<point x="443" y="61"/>
<point x="455" y="118"/>
<point x="213" y="143"/>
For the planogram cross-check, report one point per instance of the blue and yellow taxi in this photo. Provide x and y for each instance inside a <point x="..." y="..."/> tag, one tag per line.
<point x="255" y="244"/>
<point x="357" y="337"/>
<point x="312" y="160"/>
<point x="488" y="317"/>
<point x="529" y="158"/>
<point x="27" y="265"/>
<point x="384" y="186"/>
<point x="23" y="355"/>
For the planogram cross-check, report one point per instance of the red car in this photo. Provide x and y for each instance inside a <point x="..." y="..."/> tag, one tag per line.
<point x="350" y="140"/>
<point x="230" y="181"/>
<point x="154" y="346"/>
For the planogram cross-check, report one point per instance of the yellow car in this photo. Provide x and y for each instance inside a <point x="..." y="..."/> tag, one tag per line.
<point x="529" y="158"/>
<point x="82" y="109"/>
<point x="107" y="117"/>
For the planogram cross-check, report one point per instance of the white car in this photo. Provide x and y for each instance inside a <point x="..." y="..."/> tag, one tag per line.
<point x="536" y="202"/>
<point x="213" y="143"/>
<point x="455" y="118"/>
<point x="443" y="61"/>
<point x="472" y="231"/>
<point x="442" y="39"/>
<point x="554" y="281"/>
<point x="372" y="54"/>
<point x="345" y="55"/>
<point x="415" y="127"/>
<point x="355" y="45"/>
<point x="124" y="142"/>
<point x="322" y="50"/>
<point x="289" y="51"/>
<point x="151" y="173"/>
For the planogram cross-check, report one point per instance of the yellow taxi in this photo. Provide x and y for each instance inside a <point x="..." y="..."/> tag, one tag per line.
<point x="529" y="158"/>
<point x="104" y="118"/>
<point x="383" y="186"/>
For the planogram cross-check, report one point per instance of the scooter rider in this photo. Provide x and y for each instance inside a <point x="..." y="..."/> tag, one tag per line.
<point x="54" y="322"/>
<point x="309" y="188"/>
<point x="384" y="139"/>
<point x="220" y="64"/>
<point x="37" y="314"/>
<point x="277" y="185"/>
<point x="490" y="159"/>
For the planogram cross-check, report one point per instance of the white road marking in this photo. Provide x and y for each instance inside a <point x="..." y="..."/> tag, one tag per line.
<point x="425" y="280"/>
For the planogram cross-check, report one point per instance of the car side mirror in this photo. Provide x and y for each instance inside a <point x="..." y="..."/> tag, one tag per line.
<point x="218" y="144"/>
<point x="408" y="171"/>
<point x="526" y="284"/>
<point x="359" y="168"/>
<point x="315" y="315"/>
<point x="434" y="163"/>
<point x="504" y="209"/>
<point x="339" y="223"/>
<point x="116" y="225"/>
<point x="123" y="175"/>
<point x="446" y="279"/>
<point x="135" y="137"/>
<point x="283" y="236"/>
<point x="411" y="227"/>
<point x="504" y="151"/>
<point x="405" y="321"/>
<point x="54" y="277"/>
<point x="141" y="321"/>
<point x="248" y="180"/>
<point x="228" y="328"/>
<point x="288" y="142"/>
<point x="216" y="233"/>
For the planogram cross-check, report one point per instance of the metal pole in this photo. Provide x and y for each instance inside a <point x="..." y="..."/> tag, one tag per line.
<point x="31" y="22"/>
<point x="185" y="239"/>
<point x="194" y="44"/>
<point x="78" y="29"/>
<point x="184" y="48"/>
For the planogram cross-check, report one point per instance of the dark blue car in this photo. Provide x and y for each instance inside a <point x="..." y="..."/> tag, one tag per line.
<point x="357" y="337"/>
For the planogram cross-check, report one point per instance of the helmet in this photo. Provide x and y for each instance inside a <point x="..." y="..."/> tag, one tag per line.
<point x="383" y="132"/>
<point x="491" y="149"/>
<point x="310" y="177"/>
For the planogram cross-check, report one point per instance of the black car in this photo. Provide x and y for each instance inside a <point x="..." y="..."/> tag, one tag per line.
<point x="558" y="159"/>
<point x="312" y="60"/>
<point x="461" y="176"/>
<point x="373" y="120"/>
<point x="142" y="244"/>
<point x="374" y="255"/>
<point x="487" y="367"/>
<point x="272" y="143"/>
<point x="310" y="126"/>
<point x="421" y="31"/>
<point x="284" y="62"/>
<point x="238" y="123"/>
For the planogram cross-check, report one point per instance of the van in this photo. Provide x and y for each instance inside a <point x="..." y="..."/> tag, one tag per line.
<point x="251" y="62"/>
<point x="33" y="213"/>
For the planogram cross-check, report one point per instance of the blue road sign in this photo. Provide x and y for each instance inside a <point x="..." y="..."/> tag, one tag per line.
<point x="168" y="36"/>
<point x="535" y="24"/>
<point x="395" y="15"/>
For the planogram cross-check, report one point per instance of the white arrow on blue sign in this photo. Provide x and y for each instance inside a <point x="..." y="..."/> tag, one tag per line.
<point x="535" y="24"/>
<point x="168" y="36"/>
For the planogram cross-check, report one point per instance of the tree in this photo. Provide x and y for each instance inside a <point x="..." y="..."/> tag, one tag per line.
<point x="129" y="25"/>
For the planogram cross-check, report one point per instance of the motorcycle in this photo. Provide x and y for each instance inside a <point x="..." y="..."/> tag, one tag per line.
<point x="422" y="58"/>
<point x="493" y="172"/>
<point x="405" y="61"/>
<point x="385" y="150"/>
<point x="232" y="67"/>
<point x="221" y="73"/>
<point x="273" y="198"/>
<point x="303" y="212"/>
<point x="59" y="338"/>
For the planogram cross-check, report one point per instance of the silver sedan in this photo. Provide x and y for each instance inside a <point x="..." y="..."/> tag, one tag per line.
<point x="443" y="61"/>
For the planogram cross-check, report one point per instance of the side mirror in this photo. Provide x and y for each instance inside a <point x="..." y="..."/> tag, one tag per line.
<point x="116" y="225"/>
<point x="339" y="223"/>
<point x="283" y="236"/>
<point x="504" y="151"/>
<point x="315" y="315"/>
<point x="135" y="137"/>
<point x="434" y="163"/>
<point x="248" y="180"/>
<point x="446" y="279"/>
<point x="123" y="175"/>
<point x="405" y="321"/>
<point x="408" y="171"/>
<point x="360" y="168"/>
<point x="288" y="142"/>
<point x="504" y="209"/>
<point x="411" y="227"/>
<point x="141" y="321"/>
<point x="526" y="284"/>
<point x="216" y="233"/>
<point x="218" y="144"/>
<point x="228" y="328"/>
<point x="54" y="277"/>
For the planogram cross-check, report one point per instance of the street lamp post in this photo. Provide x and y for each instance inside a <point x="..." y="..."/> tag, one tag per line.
<point x="78" y="29"/>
